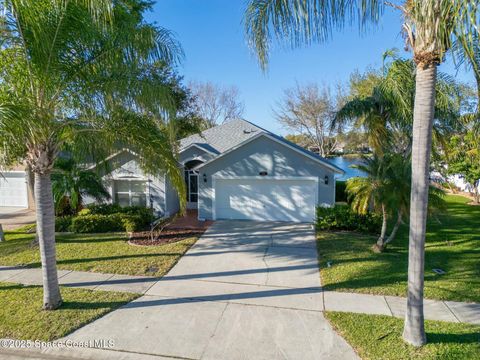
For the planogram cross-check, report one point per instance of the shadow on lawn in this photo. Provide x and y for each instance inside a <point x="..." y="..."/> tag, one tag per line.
<point x="104" y="258"/>
<point x="468" y="338"/>
<point x="80" y="305"/>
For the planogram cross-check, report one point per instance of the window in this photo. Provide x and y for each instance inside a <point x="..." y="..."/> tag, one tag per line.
<point x="130" y="192"/>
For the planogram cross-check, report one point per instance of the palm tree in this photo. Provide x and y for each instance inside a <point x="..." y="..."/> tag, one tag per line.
<point x="429" y="26"/>
<point x="386" y="113"/>
<point x="82" y="73"/>
<point x="370" y="192"/>
<point x="388" y="183"/>
<point x="71" y="183"/>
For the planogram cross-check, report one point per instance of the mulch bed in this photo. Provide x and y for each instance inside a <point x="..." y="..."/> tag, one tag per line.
<point x="161" y="238"/>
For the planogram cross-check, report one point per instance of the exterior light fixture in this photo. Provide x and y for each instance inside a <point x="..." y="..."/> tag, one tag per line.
<point x="204" y="178"/>
<point x="326" y="180"/>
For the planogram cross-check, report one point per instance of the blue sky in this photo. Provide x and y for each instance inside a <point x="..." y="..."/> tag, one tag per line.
<point x="211" y="33"/>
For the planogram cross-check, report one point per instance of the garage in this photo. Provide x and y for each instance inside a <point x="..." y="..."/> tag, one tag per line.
<point x="13" y="189"/>
<point x="266" y="199"/>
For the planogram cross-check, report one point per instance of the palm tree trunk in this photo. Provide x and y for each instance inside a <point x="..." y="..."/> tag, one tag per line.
<point x="31" y="190"/>
<point x="392" y="235"/>
<point x="414" y="330"/>
<point x="2" y="236"/>
<point x="46" y="234"/>
<point x="383" y="233"/>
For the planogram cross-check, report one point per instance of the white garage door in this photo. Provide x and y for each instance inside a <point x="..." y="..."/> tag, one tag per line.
<point x="266" y="199"/>
<point x="13" y="189"/>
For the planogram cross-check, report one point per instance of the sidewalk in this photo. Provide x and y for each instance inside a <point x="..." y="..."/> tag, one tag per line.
<point x="450" y="311"/>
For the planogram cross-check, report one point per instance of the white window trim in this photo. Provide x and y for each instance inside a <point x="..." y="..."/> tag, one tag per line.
<point x="129" y="180"/>
<point x="215" y="178"/>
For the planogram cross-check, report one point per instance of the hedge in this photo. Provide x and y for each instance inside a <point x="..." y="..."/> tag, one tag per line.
<point x="63" y="223"/>
<point x="106" y="218"/>
<point x="341" y="217"/>
<point x="107" y="223"/>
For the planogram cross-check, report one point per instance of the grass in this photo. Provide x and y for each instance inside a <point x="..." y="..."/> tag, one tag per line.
<point x="107" y="253"/>
<point x="452" y="244"/>
<point x="80" y="306"/>
<point x="380" y="337"/>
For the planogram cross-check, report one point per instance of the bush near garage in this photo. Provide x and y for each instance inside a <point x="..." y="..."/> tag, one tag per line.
<point x="341" y="217"/>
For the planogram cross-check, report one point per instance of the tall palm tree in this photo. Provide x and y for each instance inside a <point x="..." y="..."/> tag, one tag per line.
<point x="429" y="26"/>
<point x="71" y="183"/>
<point x="82" y="73"/>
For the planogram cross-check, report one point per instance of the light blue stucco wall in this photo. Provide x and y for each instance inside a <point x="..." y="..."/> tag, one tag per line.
<point x="264" y="154"/>
<point x="126" y="166"/>
<point x="171" y="197"/>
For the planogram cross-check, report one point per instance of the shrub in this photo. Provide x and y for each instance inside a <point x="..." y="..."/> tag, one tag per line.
<point x="340" y="191"/>
<point x="95" y="223"/>
<point x="84" y="212"/>
<point x="104" y="209"/>
<point x="108" y="209"/>
<point x="63" y="223"/>
<point x="341" y="217"/>
<point x="98" y="218"/>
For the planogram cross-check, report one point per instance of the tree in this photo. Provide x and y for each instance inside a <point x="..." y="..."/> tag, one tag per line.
<point x="372" y="191"/>
<point x="82" y="73"/>
<point x="429" y="26"/>
<point x="216" y="104"/>
<point x="71" y="183"/>
<point x="309" y="111"/>
<point x="383" y="106"/>
<point x="464" y="159"/>
<point x="386" y="189"/>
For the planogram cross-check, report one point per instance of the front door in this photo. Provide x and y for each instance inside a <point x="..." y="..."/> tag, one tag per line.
<point x="191" y="178"/>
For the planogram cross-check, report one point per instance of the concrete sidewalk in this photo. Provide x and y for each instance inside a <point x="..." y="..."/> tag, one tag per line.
<point x="282" y="297"/>
<point x="245" y="290"/>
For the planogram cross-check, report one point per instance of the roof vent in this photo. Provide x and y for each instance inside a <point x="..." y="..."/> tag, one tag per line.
<point x="248" y="131"/>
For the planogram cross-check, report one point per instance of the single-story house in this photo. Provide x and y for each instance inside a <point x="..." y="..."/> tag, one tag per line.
<point x="232" y="171"/>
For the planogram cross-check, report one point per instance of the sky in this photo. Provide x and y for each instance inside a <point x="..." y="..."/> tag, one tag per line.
<point x="211" y="33"/>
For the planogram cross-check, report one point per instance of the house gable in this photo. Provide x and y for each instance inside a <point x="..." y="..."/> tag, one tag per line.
<point x="304" y="156"/>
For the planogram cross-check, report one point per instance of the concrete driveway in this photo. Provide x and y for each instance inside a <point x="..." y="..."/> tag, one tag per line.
<point x="245" y="290"/>
<point x="13" y="217"/>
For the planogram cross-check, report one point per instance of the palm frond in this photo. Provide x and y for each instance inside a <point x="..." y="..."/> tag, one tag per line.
<point x="300" y="22"/>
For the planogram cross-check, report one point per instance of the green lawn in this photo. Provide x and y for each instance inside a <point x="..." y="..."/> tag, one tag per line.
<point x="453" y="244"/>
<point x="80" y="306"/>
<point x="108" y="253"/>
<point x="378" y="337"/>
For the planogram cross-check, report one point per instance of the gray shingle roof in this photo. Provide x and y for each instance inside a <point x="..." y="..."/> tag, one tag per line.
<point x="223" y="137"/>
<point x="226" y="136"/>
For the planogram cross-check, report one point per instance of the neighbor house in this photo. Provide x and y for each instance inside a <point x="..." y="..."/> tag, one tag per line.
<point x="232" y="171"/>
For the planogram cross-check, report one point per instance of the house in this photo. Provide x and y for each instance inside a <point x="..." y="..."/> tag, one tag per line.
<point x="14" y="190"/>
<point x="232" y="171"/>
